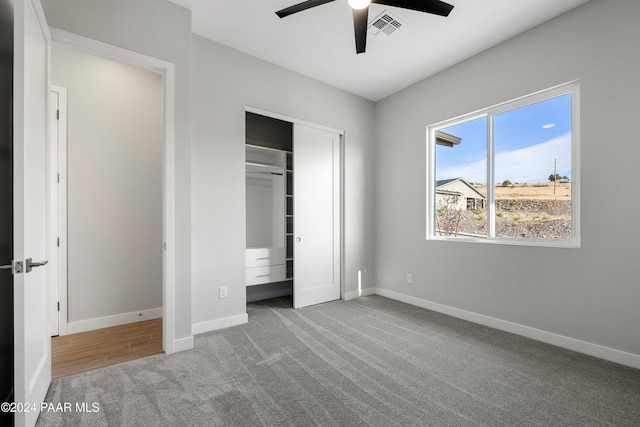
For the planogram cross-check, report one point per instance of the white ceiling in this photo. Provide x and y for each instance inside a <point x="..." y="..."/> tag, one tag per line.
<point x="319" y="42"/>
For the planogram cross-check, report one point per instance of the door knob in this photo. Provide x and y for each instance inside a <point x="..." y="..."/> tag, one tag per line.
<point x="30" y="264"/>
<point x="298" y="239"/>
<point x="15" y="267"/>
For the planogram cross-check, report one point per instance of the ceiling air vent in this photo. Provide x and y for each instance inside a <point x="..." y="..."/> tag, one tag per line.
<point x="384" y="24"/>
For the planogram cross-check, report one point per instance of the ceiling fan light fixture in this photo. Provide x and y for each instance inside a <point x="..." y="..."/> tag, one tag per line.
<point x="359" y="4"/>
<point x="361" y="12"/>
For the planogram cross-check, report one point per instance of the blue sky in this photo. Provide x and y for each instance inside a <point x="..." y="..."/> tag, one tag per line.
<point x="527" y="141"/>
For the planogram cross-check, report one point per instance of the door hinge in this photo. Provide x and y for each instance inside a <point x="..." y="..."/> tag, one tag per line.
<point x="58" y="177"/>
<point x="57" y="114"/>
<point x="58" y="242"/>
<point x="58" y="305"/>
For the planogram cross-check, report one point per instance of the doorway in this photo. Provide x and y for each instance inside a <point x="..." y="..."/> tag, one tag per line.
<point x="113" y="183"/>
<point x="293" y="209"/>
<point x="166" y="242"/>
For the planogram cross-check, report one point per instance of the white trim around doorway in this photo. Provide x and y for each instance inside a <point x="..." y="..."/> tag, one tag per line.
<point x="167" y="69"/>
<point x="341" y="174"/>
<point x="58" y="211"/>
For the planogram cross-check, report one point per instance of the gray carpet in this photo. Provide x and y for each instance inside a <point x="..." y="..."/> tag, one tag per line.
<point x="371" y="361"/>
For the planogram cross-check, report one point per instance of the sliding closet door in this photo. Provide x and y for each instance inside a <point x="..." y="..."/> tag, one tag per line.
<point x="316" y="166"/>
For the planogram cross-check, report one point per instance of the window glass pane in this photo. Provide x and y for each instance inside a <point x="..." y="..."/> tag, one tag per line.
<point x="532" y="167"/>
<point x="461" y="178"/>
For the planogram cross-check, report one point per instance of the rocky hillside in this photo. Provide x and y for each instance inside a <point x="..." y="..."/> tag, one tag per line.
<point x="518" y="218"/>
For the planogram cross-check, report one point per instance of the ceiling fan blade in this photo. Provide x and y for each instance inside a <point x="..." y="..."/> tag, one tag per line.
<point x="435" y="7"/>
<point x="300" y="7"/>
<point x="360" y="17"/>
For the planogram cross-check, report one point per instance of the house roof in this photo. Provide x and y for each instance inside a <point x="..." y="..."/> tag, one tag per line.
<point x="443" y="182"/>
<point x="446" y="139"/>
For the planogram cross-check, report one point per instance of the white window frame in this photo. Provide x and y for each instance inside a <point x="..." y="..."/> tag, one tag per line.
<point x="572" y="88"/>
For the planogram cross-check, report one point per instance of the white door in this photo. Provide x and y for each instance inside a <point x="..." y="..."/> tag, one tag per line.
<point x="31" y="296"/>
<point x="57" y="220"/>
<point x="54" y="285"/>
<point x="316" y="212"/>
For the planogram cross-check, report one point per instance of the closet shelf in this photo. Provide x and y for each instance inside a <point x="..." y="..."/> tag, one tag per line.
<point x="263" y="167"/>
<point x="258" y="146"/>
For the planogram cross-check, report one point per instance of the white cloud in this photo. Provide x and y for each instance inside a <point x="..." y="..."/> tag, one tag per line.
<point x="531" y="164"/>
<point x="472" y="172"/>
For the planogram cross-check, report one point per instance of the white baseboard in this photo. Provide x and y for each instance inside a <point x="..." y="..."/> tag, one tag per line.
<point x="225" y="322"/>
<point x="602" y="352"/>
<point x="355" y="294"/>
<point x="183" y="344"/>
<point x="115" y="320"/>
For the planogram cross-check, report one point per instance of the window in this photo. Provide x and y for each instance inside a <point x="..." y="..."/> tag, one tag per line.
<point x="508" y="173"/>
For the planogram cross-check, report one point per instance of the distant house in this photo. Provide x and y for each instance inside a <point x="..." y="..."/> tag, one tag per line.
<point x="458" y="194"/>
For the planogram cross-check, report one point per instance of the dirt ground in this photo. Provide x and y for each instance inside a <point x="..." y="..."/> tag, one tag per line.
<point x="539" y="191"/>
<point x="522" y="211"/>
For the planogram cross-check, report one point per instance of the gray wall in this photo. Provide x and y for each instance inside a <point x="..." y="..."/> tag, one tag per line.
<point x="162" y="30"/>
<point x="114" y="190"/>
<point x="224" y="82"/>
<point x="589" y="294"/>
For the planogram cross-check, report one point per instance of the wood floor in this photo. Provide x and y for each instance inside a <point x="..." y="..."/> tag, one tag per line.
<point x="85" y="351"/>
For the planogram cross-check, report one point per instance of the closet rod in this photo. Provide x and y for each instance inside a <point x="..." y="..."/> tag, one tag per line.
<point x="266" y="173"/>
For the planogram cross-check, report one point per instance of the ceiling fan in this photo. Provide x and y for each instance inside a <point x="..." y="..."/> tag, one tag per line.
<point x="361" y="12"/>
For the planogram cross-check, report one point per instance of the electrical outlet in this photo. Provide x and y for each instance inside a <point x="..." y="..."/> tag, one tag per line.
<point x="409" y="278"/>
<point x="223" y="291"/>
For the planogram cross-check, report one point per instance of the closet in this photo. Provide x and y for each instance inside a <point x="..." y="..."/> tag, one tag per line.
<point x="293" y="225"/>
